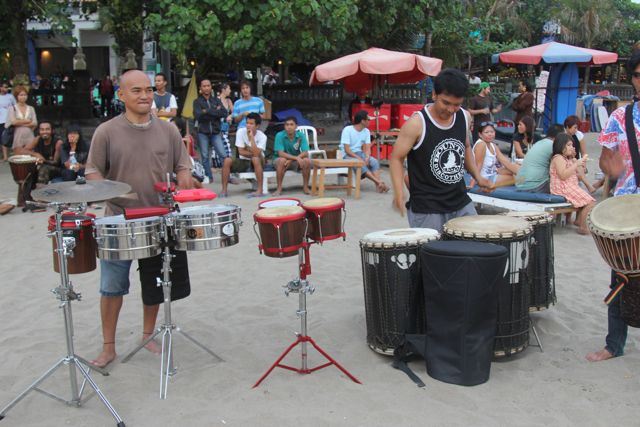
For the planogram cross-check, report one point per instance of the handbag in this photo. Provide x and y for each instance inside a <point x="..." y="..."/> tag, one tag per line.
<point x="7" y="136"/>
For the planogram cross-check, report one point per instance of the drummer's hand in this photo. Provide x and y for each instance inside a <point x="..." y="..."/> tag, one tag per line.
<point x="287" y="163"/>
<point x="472" y="184"/>
<point x="398" y="204"/>
<point x="486" y="185"/>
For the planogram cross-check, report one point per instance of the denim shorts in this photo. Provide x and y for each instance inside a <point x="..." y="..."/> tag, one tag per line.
<point x="114" y="277"/>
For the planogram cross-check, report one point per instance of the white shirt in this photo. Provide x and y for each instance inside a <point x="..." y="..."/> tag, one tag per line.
<point x="173" y="104"/>
<point x="242" y="141"/>
<point x="6" y="101"/>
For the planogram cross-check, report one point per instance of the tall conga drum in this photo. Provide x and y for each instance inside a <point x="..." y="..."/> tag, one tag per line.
<point x="512" y="334"/>
<point x="541" y="259"/>
<point x="615" y="226"/>
<point x="22" y="167"/>
<point x="393" y="294"/>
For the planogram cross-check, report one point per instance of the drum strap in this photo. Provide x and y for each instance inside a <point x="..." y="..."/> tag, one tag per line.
<point x="632" y="141"/>
<point x="405" y="352"/>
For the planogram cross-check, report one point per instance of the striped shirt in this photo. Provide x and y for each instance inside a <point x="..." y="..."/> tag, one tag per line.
<point x="252" y="105"/>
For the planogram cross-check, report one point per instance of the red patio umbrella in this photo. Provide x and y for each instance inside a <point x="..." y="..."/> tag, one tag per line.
<point x="365" y="70"/>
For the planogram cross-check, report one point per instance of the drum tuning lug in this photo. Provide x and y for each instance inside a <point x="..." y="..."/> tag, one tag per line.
<point x="158" y="282"/>
<point x="300" y="313"/>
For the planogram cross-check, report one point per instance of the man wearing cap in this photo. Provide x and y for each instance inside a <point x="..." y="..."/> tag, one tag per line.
<point x="481" y="107"/>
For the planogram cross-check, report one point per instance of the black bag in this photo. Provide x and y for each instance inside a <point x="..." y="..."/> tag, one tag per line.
<point x="7" y="137"/>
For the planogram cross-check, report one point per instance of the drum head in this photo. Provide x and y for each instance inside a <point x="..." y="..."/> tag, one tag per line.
<point x="488" y="226"/>
<point x="532" y="216"/>
<point x="206" y="210"/>
<point x="617" y="215"/>
<point x="22" y="158"/>
<point x="120" y="219"/>
<point x="396" y="236"/>
<point x="280" y="212"/>
<point x="278" y="201"/>
<point x="323" y="203"/>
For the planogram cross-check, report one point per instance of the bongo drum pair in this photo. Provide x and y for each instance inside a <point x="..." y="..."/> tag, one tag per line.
<point x="512" y="334"/>
<point x="285" y="224"/>
<point x="615" y="227"/>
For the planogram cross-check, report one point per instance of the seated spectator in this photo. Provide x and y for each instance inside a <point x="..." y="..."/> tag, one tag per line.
<point x="523" y="139"/>
<point x="490" y="161"/>
<point x="533" y="175"/>
<point x="291" y="152"/>
<point x="46" y="148"/>
<point x="355" y="143"/>
<point x="251" y="143"/>
<point x="73" y="154"/>
<point x="564" y="179"/>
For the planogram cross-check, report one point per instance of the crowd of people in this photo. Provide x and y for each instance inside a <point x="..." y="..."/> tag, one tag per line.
<point x="432" y="154"/>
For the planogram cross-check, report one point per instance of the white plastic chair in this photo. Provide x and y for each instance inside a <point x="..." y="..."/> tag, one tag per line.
<point x="312" y="136"/>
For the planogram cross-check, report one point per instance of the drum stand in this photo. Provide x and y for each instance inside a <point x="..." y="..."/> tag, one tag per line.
<point x="65" y="293"/>
<point x="302" y="286"/>
<point x="167" y="328"/>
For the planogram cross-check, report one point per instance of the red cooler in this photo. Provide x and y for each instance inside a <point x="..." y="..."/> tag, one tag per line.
<point x="384" y="118"/>
<point x="400" y="113"/>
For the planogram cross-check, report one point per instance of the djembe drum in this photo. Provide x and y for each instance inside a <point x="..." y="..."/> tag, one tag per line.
<point x="23" y="167"/>
<point x="541" y="268"/>
<point x="392" y="279"/>
<point x="615" y="227"/>
<point x="512" y="334"/>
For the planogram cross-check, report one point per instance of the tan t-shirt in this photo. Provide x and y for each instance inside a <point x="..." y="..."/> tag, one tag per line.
<point x="138" y="156"/>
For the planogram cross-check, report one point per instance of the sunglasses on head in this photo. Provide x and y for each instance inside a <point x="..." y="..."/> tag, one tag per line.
<point x="483" y="124"/>
<point x="636" y="74"/>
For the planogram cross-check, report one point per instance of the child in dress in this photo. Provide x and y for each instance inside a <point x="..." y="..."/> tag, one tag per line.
<point x="564" y="172"/>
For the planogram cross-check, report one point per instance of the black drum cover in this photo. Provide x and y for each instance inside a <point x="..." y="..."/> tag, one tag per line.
<point x="461" y="281"/>
<point x="151" y="268"/>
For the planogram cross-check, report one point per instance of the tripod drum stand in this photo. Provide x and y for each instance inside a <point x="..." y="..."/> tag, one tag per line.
<point x="65" y="294"/>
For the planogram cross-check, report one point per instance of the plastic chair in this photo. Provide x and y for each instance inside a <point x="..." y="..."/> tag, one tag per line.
<point x="312" y="136"/>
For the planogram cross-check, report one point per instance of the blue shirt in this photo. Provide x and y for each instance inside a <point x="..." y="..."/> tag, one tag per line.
<point x="354" y="138"/>
<point x="253" y="105"/>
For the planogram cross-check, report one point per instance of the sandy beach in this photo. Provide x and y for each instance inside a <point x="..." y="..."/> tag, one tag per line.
<point x="237" y="308"/>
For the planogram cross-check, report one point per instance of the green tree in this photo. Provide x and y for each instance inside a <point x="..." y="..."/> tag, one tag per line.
<point x="124" y="19"/>
<point x="587" y="22"/>
<point x="251" y="31"/>
<point x="13" y="28"/>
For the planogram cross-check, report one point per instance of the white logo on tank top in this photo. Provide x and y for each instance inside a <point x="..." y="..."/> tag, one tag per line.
<point x="447" y="161"/>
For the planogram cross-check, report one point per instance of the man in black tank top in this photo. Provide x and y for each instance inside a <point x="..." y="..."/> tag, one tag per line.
<point x="435" y="142"/>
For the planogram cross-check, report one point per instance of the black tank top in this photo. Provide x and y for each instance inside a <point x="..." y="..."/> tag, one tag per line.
<point x="436" y="167"/>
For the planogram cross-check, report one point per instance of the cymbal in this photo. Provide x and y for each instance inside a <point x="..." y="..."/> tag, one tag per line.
<point x="90" y="191"/>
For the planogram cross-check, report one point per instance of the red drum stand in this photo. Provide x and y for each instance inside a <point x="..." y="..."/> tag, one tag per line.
<point x="302" y="286"/>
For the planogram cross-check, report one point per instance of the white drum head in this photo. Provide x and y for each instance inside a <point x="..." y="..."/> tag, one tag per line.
<point x="488" y="226"/>
<point x="275" y="203"/>
<point x="205" y="210"/>
<point x="22" y="158"/>
<point x="397" y="236"/>
<point x="617" y="215"/>
<point x="323" y="202"/>
<point x="279" y="212"/>
<point x="533" y="216"/>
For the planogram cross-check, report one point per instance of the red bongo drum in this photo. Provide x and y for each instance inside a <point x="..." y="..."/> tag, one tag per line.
<point x="281" y="230"/>
<point x="80" y="227"/>
<point x="326" y="221"/>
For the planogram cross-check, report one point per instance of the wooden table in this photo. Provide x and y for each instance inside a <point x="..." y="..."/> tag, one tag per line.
<point x="323" y="164"/>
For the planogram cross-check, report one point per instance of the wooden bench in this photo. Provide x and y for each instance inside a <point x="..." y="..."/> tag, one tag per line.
<point x="266" y="175"/>
<point x="333" y="166"/>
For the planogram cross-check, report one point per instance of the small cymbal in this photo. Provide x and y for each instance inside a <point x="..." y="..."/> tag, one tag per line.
<point x="90" y="191"/>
